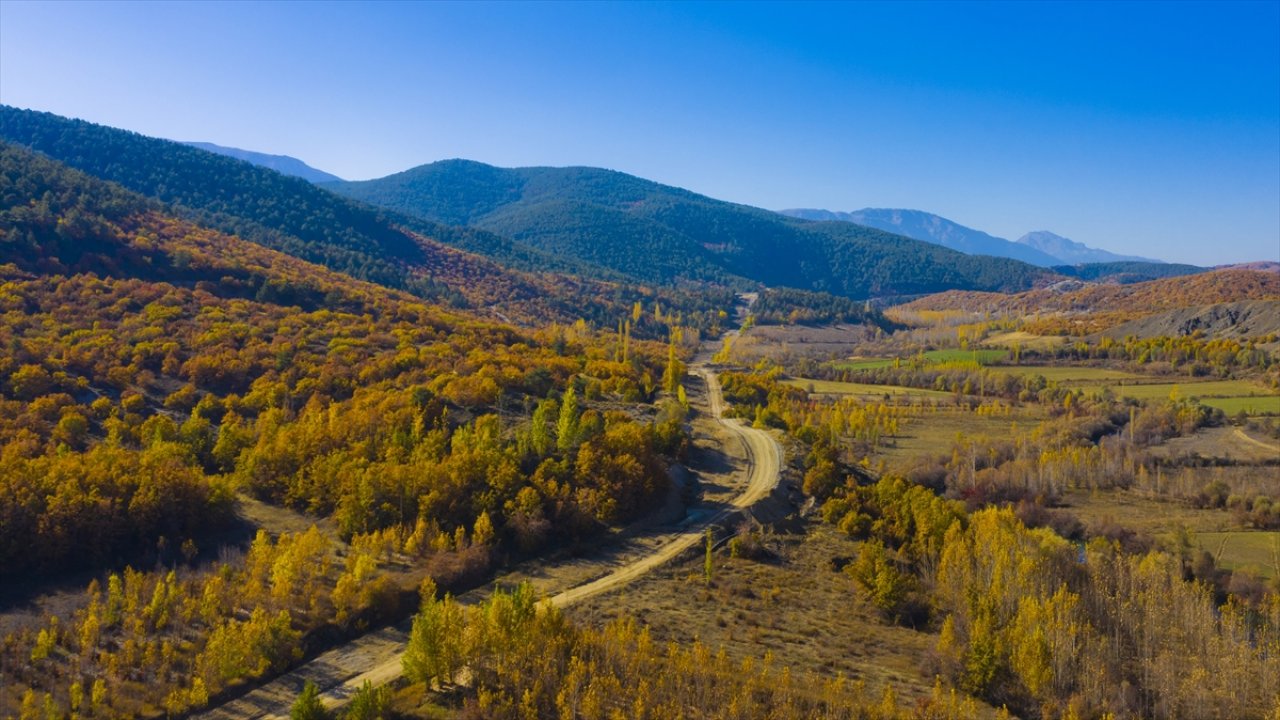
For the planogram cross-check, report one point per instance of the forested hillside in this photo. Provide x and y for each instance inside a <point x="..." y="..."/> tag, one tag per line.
<point x="1108" y="304"/>
<point x="665" y="234"/>
<point x="154" y="371"/>
<point x="292" y="215"/>
<point x="1127" y="272"/>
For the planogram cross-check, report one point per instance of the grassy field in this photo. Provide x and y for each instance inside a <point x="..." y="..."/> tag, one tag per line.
<point x="1230" y="396"/>
<point x="1161" y="390"/>
<point x="1227" y="443"/>
<point x="1250" y="405"/>
<point x="1067" y="374"/>
<point x="1027" y="340"/>
<point x="930" y="433"/>
<point x="867" y="391"/>
<point x="811" y="616"/>
<point x="1155" y="516"/>
<point x="1253" y="550"/>
<point x="982" y="357"/>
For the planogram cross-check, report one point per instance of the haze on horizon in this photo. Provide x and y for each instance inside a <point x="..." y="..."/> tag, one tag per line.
<point x="1146" y="129"/>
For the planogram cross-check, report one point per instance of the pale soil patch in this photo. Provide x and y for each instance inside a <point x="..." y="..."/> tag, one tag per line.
<point x="1026" y="340"/>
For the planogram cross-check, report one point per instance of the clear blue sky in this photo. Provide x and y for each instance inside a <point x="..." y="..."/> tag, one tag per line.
<point x="1143" y="128"/>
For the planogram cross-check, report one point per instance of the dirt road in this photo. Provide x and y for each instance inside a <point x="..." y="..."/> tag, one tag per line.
<point x="376" y="657"/>
<point x="1255" y="441"/>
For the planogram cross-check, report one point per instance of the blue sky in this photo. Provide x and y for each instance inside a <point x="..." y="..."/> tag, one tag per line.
<point x="1143" y="128"/>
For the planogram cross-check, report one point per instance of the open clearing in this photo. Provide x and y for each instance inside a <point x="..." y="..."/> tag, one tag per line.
<point x="1060" y="374"/>
<point x="796" y="606"/>
<point x="1160" y="390"/>
<point x="1027" y="340"/>
<point x="1254" y="550"/>
<point x="1249" y="405"/>
<point x="982" y="357"/>
<point x="930" y="433"/>
<point x="1226" y="443"/>
<point x="867" y="391"/>
<point x="1155" y="516"/>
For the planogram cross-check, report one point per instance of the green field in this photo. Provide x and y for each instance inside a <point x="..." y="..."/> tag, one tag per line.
<point x="982" y="357"/>
<point x="1249" y="405"/>
<point x="1157" y="391"/>
<point x="866" y="390"/>
<point x="1253" y="550"/>
<point x="930" y="433"/>
<point x="1066" y="374"/>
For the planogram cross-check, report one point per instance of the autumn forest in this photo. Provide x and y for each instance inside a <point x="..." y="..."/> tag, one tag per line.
<point x="570" y="444"/>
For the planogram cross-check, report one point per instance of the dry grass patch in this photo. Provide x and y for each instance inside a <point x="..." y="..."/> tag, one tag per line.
<point x="797" y="606"/>
<point x="1223" y="443"/>
<point x="1156" y="516"/>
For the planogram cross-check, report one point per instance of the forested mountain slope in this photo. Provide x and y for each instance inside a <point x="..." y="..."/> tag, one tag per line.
<point x="1125" y="272"/>
<point x="291" y="215"/>
<point x="666" y="234"/>
<point x="119" y="317"/>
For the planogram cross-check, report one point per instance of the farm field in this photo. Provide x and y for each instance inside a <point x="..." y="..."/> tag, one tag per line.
<point x="930" y="433"/>
<point x="1159" y="390"/>
<point x="1256" y="550"/>
<point x="982" y="357"/>
<point x="1249" y="405"/>
<point x="1068" y="373"/>
<point x="1230" y="396"/>
<point x="1026" y="340"/>
<point x="868" y="391"/>
<point x="1155" y="516"/>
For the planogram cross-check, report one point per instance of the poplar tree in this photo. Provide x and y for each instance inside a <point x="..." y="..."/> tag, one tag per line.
<point x="567" y="425"/>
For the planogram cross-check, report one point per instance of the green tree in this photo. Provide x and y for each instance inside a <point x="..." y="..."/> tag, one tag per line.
<point x="434" y="652"/>
<point x="308" y="705"/>
<point x="567" y="425"/>
<point x="369" y="703"/>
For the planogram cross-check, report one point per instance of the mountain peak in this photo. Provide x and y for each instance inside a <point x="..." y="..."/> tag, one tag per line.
<point x="1072" y="252"/>
<point x="931" y="228"/>
<point x="282" y="164"/>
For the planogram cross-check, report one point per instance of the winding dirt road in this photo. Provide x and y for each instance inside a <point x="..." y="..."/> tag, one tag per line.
<point x="1255" y="441"/>
<point x="376" y="657"/>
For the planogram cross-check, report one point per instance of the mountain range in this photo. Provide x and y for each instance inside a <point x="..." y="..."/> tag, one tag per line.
<point x="1041" y="248"/>
<point x="475" y="235"/>
<point x="662" y="234"/>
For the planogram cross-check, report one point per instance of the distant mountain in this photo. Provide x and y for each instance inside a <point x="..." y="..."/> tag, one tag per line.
<point x="282" y="164"/>
<point x="666" y="235"/>
<point x="1071" y="252"/>
<point x="934" y="229"/>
